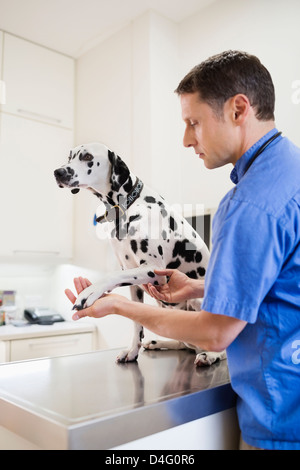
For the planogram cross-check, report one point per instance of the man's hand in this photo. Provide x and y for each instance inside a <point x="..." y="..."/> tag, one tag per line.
<point x="179" y="288"/>
<point x="106" y="305"/>
<point x="80" y="284"/>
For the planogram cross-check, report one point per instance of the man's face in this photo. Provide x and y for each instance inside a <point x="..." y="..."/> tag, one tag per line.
<point x="212" y="137"/>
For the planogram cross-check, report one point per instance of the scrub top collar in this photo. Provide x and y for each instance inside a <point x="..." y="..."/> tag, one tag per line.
<point x="240" y="166"/>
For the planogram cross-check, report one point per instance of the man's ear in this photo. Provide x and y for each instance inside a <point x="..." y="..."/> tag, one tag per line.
<point x="240" y="107"/>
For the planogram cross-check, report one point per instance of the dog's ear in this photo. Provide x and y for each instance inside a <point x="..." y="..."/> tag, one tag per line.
<point x="119" y="171"/>
<point x="75" y="190"/>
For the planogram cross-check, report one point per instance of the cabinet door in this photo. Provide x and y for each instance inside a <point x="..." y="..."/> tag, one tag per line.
<point x="39" y="82"/>
<point x="50" y="346"/>
<point x="36" y="216"/>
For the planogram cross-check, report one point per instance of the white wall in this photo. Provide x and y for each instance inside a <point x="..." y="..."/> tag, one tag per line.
<point x="267" y="29"/>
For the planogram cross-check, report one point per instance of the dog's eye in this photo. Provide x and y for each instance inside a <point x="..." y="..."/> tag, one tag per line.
<point x="87" y="157"/>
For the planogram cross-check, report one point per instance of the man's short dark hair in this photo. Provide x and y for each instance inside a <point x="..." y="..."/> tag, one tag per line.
<point x="225" y="75"/>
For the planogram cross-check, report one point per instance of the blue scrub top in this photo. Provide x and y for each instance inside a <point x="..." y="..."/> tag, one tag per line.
<point x="254" y="275"/>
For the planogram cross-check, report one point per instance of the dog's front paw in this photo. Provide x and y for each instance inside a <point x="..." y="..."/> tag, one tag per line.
<point x="87" y="297"/>
<point x="128" y="355"/>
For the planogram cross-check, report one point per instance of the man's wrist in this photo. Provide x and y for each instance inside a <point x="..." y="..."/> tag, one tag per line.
<point x="197" y="288"/>
<point x="120" y="305"/>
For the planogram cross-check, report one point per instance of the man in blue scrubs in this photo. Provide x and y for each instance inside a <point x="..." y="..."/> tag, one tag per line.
<point x="251" y="301"/>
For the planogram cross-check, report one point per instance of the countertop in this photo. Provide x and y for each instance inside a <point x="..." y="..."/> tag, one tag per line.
<point x="88" y="401"/>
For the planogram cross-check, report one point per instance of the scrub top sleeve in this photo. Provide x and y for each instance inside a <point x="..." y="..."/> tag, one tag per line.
<point x="248" y="252"/>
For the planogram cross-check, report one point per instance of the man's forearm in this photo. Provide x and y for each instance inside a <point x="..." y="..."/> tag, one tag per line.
<point x="202" y="329"/>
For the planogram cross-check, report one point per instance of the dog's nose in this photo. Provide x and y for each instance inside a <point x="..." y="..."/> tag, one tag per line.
<point x="60" y="173"/>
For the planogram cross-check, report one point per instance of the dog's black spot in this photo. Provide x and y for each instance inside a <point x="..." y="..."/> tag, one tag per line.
<point x="198" y="257"/>
<point x="126" y="257"/>
<point x="164" y="235"/>
<point x="124" y="284"/>
<point x="172" y="223"/>
<point x="174" y="264"/>
<point x="132" y="218"/>
<point x="163" y="212"/>
<point x="144" y="246"/>
<point x="90" y="164"/>
<point x="89" y="172"/>
<point x="160" y="250"/>
<point x="141" y="334"/>
<point x="201" y="271"/>
<point x="128" y="185"/>
<point x="169" y="304"/>
<point x="134" y="247"/>
<point x="151" y="274"/>
<point x="180" y="249"/>
<point x="98" y="164"/>
<point x="150" y="199"/>
<point x="142" y="261"/>
<point x="70" y="171"/>
<point x="192" y="275"/>
<point x="140" y="294"/>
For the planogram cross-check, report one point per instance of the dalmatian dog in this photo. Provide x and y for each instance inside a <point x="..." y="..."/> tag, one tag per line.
<point x="145" y="233"/>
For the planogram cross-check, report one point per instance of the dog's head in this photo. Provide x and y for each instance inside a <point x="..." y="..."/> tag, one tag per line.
<point x="92" y="166"/>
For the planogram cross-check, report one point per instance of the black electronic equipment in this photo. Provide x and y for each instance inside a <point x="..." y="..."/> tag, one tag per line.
<point x="42" y="316"/>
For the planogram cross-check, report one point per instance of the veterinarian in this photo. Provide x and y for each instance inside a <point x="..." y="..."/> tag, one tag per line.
<point x="251" y="301"/>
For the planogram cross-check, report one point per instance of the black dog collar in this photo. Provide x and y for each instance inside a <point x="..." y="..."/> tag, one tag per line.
<point x="114" y="212"/>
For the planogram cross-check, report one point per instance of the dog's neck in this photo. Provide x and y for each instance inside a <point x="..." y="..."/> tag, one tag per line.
<point x="114" y="193"/>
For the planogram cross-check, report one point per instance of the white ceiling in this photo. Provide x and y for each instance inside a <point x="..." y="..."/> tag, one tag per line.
<point x="74" y="26"/>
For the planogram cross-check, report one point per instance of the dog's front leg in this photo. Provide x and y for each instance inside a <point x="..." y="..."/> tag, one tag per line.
<point x="131" y="354"/>
<point x="130" y="277"/>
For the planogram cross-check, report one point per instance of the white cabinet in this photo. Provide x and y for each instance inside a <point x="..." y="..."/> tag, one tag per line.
<point x="39" y="82"/>
<point x="38" y="341"/>
<point x="36" y="135"/>
<point x="36" y="216"/>
<point x="34" y="348"/>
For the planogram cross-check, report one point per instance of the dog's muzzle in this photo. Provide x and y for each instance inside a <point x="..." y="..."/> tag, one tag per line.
<point x="63" y="177"/>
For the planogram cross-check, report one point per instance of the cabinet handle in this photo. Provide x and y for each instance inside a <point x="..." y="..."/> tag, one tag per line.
<point x="36" y="252"/>
<point x="39" y="116"/>
<point x="52" y="343"/>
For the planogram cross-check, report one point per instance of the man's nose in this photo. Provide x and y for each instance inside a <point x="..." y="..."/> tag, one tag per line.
<point x="189" y="138"/>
